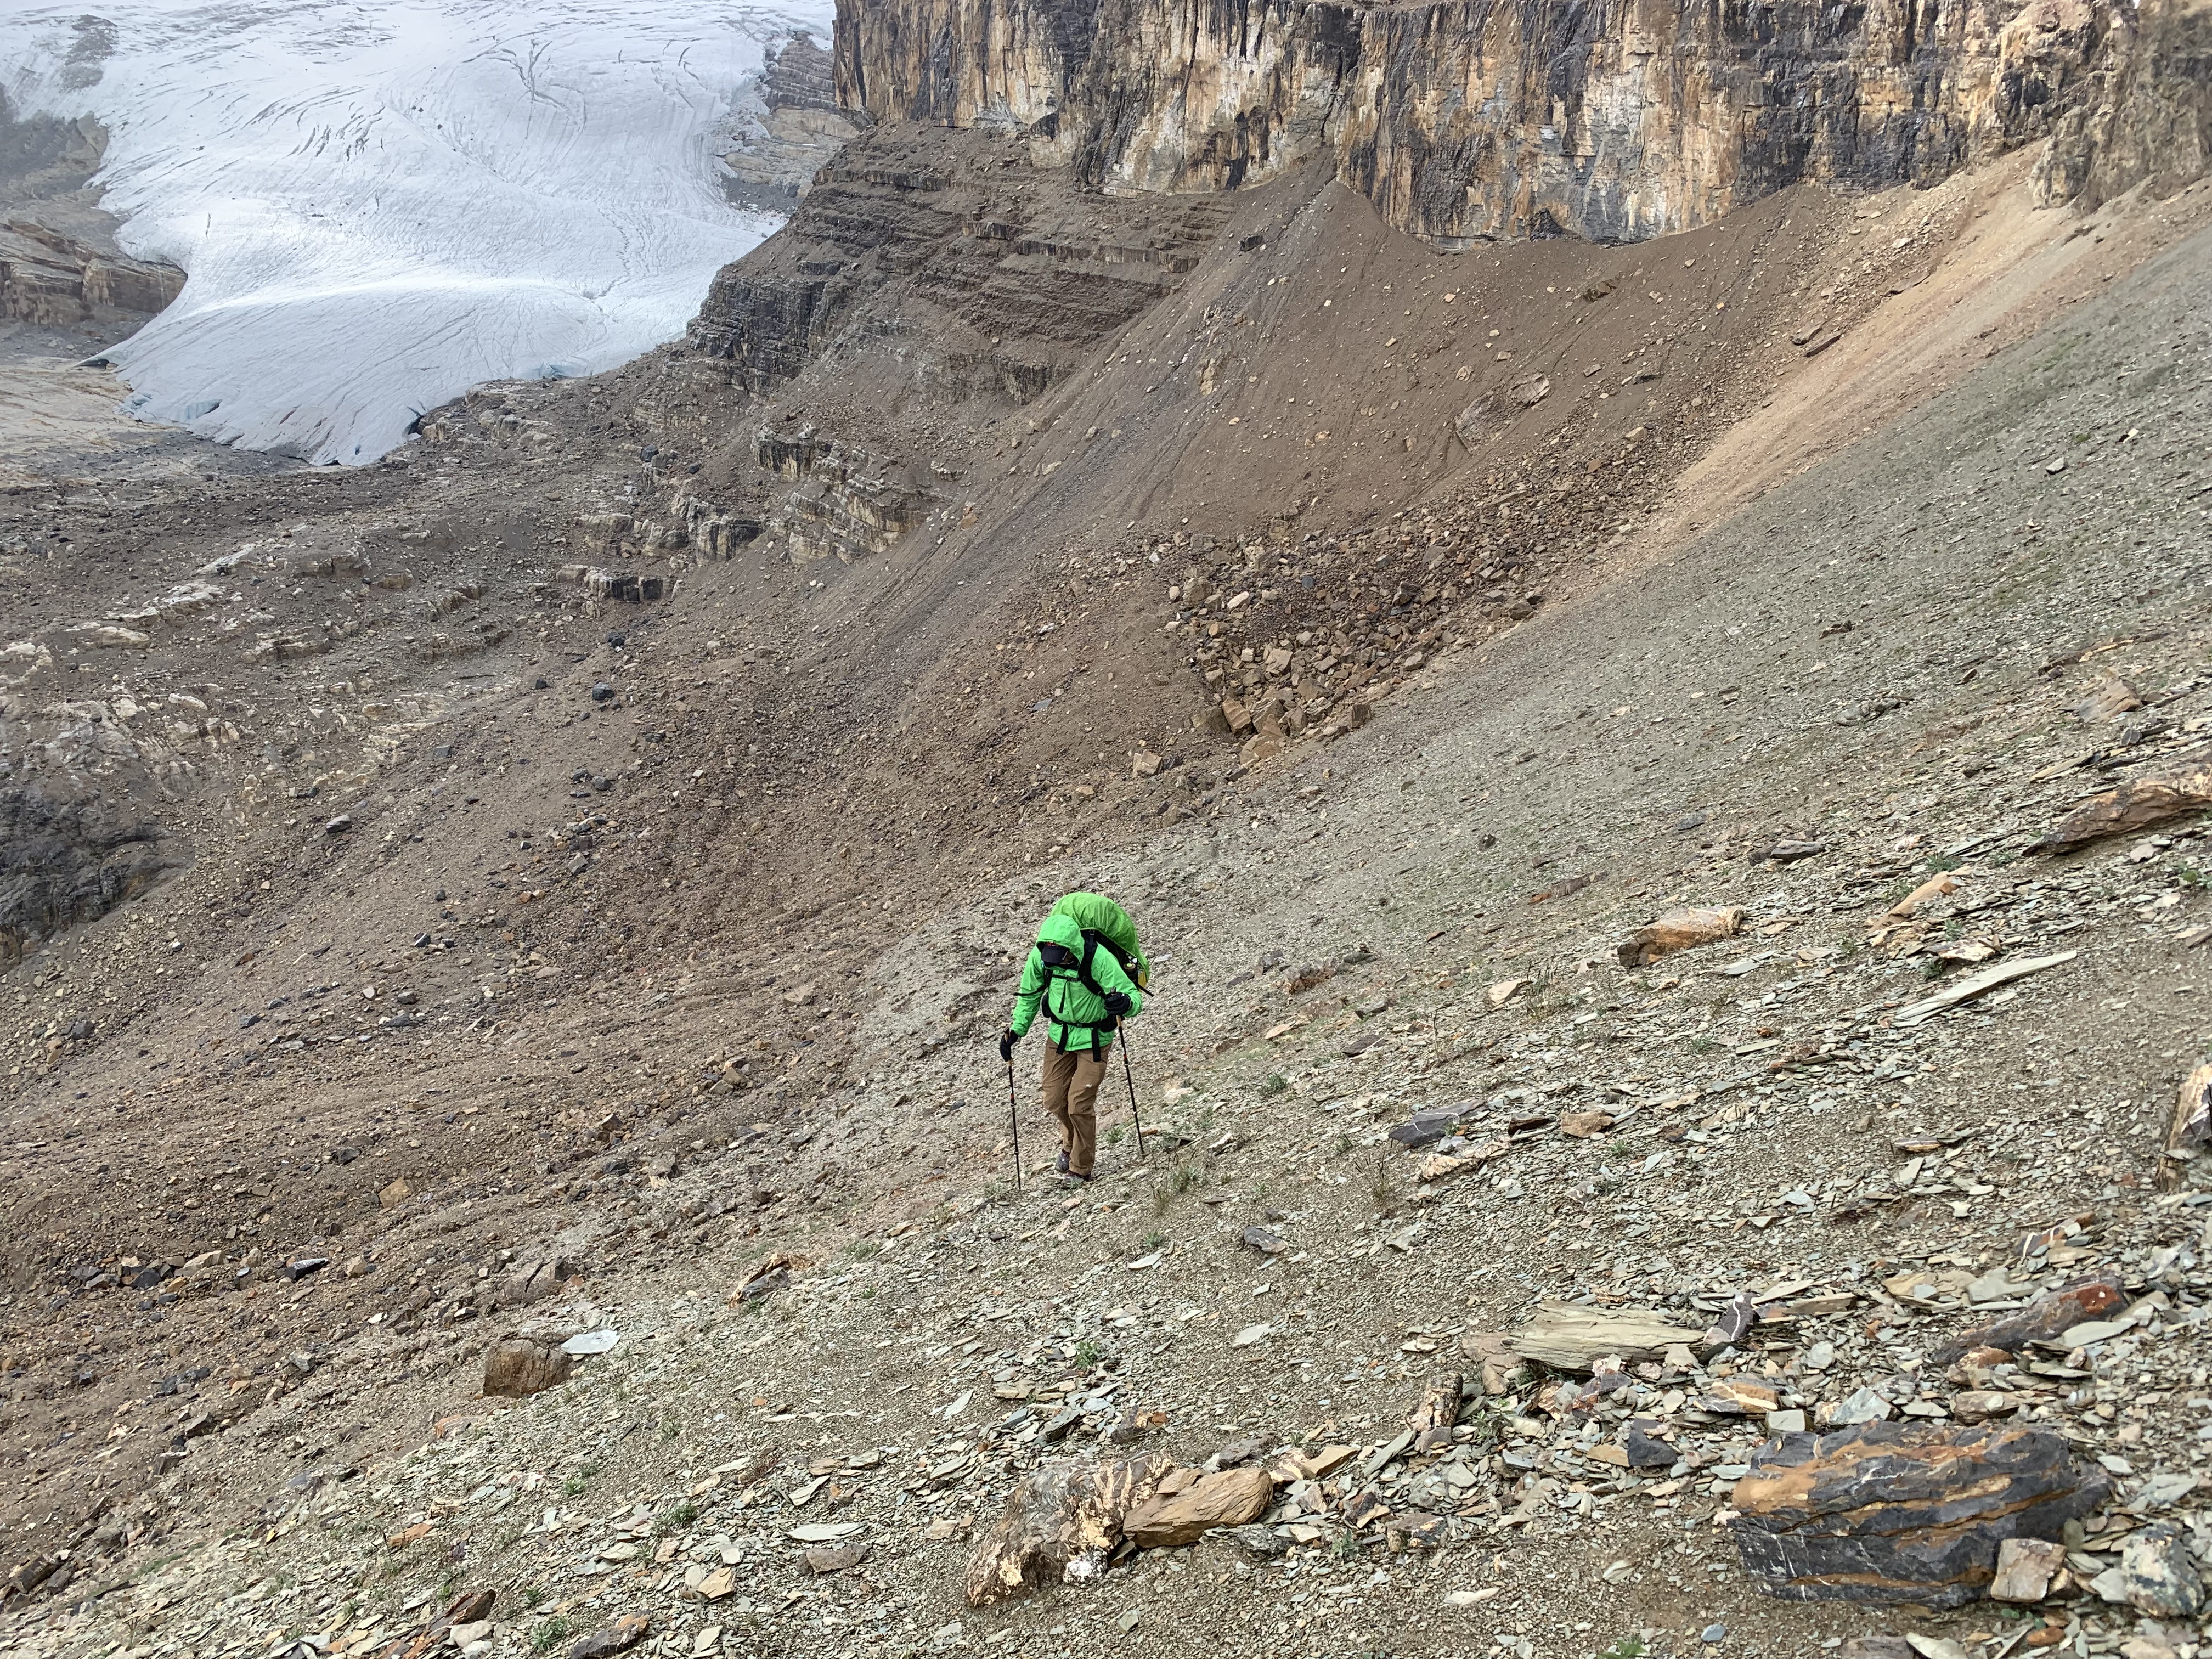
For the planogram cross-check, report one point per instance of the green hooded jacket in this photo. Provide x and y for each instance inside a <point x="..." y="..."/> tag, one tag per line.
<point x="1094" y="913"/>
<point x="1075" y="1018"/>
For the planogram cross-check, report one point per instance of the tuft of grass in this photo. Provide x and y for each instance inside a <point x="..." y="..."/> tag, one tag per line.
<point x="1153" y="1241"/>
<point x="1273" y="1083"/>
<point x="1344" y="1142"/>
<point x="1942" y="863"/>
<point x="862" y="1249"/>
<point x="550" y="1633"/>
<point x="1344" y="1547"/>
<point x="531" y="1596"/>
<point x="676" y="1519"/>
<point x="1383" y="1191"/>
<point x="577" y="1484"/>
<point x="1186" y="1177"/>
<point x="1114" y="1134"/>
<point x="1088" y="1353"/>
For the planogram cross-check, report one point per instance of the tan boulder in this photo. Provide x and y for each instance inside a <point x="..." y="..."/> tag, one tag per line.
<point x="518" y="1367"/>
<point x="1678" y="930"/>
<point x="1228" y="1499"/>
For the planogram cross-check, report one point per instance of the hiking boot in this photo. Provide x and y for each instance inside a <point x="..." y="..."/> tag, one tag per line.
<point x="1070" y="1175"/>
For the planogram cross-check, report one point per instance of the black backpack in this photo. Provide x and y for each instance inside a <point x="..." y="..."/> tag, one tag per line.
<point x="1062" y="964"/>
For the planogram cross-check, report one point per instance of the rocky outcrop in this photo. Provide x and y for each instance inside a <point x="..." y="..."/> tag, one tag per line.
<point x="1468" y="119"/>
<point x="51" y="278"/>
<point x="2150" y="120"/>
<point x="1002" y="287"/>
<point x="799" y="128"/>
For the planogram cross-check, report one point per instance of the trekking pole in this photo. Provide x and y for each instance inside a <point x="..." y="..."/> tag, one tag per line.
<point x="1129" y="1078"/>
<point x="1014" y="1117"/>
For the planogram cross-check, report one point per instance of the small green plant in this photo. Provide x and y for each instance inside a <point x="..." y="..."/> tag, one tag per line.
<point x="1605" y="1185"/>
<point x="1186" y="1177"/>
<point x="1114" y="1135"/>
<point x="1088" y="1353"/>
<point x="1344" y="1142"/>
<point x="1344" y="1547"/>
<point x="1623" y="1150"/>
<point x="676" y="1519"/>
<point x="550" y="1633"/>
<point x="1271" y="1085"/>
<point x="670" y="1427"/>
<point x="1488" y="1423"/>
<point x="1703" y="1044"/>
<point x="531" y="1596"/>
<point x="1382" y="1190"/>
<point x="1629" y="1647"/>
<point x="863" y="1249"/>
<point x="1942" y="863"/>
<point x="577" y="1484"/>
<point x="1154" y="1240"/>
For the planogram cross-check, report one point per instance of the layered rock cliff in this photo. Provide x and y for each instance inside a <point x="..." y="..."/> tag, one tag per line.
<point x="1467" y="119"/>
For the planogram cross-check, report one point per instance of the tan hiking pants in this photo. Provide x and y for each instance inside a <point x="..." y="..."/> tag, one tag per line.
<point x="1071" y="1095"/>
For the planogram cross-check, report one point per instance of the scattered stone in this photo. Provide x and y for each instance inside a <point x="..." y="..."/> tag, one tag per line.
<point x="1898" y="1513"/>
<point x="2190" y="1127"/>
<point x="2155" y="1574"/>
<point x="398" y="1192"/>
<point x="625" y="1633"/>
<point x="2026" y="1569"/>
<point x="2041" y="1321"/>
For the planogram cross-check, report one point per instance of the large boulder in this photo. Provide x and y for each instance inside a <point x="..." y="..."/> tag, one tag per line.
<point x="1903" y="1512"/>
<point x="1059" y="1523"/>
<point x="518" y="1367"/>
<point x="1197" y="1504"/>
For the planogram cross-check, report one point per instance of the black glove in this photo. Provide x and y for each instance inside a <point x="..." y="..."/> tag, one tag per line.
<point x="1117" y="1004"/>
<point x="1007" y="1047"/>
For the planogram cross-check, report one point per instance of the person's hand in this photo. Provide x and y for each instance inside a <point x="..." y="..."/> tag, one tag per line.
<point x="1006" y="1042"/>
<point x="1118" y="1004"/>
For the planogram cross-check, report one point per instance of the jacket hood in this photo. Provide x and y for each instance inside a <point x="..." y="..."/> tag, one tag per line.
<point x="1063" y="931"/>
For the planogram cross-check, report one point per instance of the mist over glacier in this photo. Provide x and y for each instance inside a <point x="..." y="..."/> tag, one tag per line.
<point x="378" y="205"/>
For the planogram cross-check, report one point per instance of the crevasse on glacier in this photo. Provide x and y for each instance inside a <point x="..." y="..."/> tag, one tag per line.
<point x="379" y="205"/>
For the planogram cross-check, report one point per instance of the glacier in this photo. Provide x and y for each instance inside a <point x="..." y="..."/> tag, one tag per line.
<point x="379" y="205"/>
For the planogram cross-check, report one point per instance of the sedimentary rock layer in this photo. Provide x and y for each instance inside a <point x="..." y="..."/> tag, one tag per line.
<point x="1476" y="119"/>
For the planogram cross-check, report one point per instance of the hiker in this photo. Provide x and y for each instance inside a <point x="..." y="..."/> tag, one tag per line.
<point x="1088" y="973"/>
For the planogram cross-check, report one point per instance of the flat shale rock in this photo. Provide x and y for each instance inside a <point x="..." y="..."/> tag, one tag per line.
<point x="1570" y="1337"/>
<point x="1058" y="1524"/>
<point x="1903" y="1512"/>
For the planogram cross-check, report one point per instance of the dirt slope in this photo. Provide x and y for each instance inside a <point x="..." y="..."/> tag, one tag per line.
<point x="705" y="967"/>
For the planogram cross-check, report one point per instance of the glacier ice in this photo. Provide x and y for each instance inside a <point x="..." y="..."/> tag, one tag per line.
<point x="378" y="205"/>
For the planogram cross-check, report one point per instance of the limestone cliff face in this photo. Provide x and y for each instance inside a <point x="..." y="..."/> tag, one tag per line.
<point x="1464" y="119"/>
